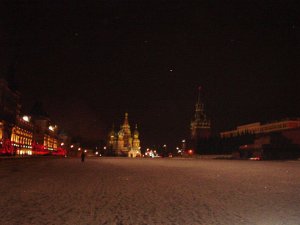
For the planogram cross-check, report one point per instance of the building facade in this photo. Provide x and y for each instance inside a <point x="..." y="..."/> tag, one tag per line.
<point x="9" y="109"/>
<point x="259" y="128"/>
<point x="123" y="142"/>
<point x="33" y="134"/>
<point x="275" y="140"/>
<point x="22" y="136"/>
<point x="45" y="137"/>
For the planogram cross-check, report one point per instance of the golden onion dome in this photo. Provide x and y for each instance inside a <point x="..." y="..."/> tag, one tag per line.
<point x="136" y="133"/>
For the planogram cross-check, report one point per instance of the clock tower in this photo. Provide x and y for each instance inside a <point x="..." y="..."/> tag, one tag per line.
<point x="200" y="125"/>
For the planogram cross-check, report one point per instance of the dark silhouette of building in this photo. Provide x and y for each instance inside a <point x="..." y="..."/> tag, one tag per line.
<point x="275" y="140"/>
<point x="200" y="125"/>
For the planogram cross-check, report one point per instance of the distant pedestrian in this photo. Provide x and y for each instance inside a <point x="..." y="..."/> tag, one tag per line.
<point x="82" y="156"/>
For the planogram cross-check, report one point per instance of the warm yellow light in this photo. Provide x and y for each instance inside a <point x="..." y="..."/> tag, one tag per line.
<point x="26" y="118"/>
<point x="51" y="128"/>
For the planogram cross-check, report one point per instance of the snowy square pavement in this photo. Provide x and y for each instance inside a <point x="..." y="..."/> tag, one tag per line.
<point x="148" y="191"/>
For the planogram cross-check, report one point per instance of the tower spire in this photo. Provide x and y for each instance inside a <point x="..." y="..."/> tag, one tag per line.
<point x="136" y="132"/>
<point x="200" y="125"/>
<point x="113" y="127"/>
<point x="199" y="93"/>
<point x="126" y="119"/>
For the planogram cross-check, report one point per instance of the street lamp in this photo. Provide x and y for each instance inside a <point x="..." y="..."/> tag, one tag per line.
<point x="165" y="153"/>
<point x="178" y="150"/>
<point x="183" y="146"/>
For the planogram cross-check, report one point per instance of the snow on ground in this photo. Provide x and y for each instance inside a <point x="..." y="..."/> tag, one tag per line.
<point x="149" y="191"/>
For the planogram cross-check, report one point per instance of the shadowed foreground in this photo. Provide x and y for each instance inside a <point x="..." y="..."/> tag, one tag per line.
<point x="149" y="191"/>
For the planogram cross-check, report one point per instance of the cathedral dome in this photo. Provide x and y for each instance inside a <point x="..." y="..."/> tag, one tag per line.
<point x="121" y="134"/>
<point x="136" y="133"/>
<point x="112" y="134"/>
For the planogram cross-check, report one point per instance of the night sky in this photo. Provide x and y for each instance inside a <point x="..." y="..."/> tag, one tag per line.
<point x="91" y="62"/>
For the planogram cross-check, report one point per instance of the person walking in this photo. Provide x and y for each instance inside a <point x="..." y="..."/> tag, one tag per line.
<point x="82" y="156"/>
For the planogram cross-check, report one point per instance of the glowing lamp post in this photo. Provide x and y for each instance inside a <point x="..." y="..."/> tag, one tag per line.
<point x="165" y="153"/>
<point x="183" y="146"/>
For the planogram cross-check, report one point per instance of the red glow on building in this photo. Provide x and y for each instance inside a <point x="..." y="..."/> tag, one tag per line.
<point x="7" y="147"/>
<point x="60" y="152"/>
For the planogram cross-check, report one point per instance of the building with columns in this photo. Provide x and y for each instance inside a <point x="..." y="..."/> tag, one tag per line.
<point x="21" y="134"/>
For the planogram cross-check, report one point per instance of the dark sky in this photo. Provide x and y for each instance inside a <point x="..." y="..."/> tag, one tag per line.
<point x="89" y="62"/>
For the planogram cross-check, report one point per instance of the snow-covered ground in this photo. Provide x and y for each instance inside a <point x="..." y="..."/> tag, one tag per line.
<point x="149" y="191"/>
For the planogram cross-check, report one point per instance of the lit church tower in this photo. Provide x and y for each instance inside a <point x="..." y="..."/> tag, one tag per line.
<point x="200" y="126"/>
<point x="123" y="143"/>
<point x="120" y="146"/>
<point x="126" y="132"/>
<point x="112" y="140"/>
<point x="136" y="149"/>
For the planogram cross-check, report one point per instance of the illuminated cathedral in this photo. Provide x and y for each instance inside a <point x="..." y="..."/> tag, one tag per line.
<point x="123" y="143"/>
